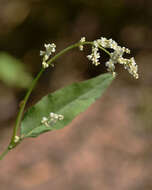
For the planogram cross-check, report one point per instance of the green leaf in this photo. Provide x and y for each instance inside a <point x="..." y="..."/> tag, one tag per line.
<point x="12" y="72"/>
<point x="69" y="101"/>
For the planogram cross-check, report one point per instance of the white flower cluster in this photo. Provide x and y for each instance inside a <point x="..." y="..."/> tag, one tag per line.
<point x="115" y="57"/>
<point x="94" y="56"/>
<point x="52" y="119"/>
<point x="49" y="49"/>
<point x="83" y="39"/>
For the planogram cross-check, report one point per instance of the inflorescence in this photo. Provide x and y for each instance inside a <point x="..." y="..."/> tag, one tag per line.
<point x="49" y="49"/>
<point x="52" y="119"/>
<point x="115" y="57"/>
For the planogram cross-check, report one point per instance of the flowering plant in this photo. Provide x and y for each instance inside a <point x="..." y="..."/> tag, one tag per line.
<point x="58" y="109"/>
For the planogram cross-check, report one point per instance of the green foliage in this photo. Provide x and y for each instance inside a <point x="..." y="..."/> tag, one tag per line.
<point x="69" y="101"/>
<point x="12" y="72"/>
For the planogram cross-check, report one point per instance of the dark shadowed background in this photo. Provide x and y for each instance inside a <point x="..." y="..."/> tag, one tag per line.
<point x="110" y="145"/>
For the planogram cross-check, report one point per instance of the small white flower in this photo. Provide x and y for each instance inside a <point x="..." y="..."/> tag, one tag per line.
<point x="42" y="53"/>
<point x="49" y="49"/>
<point x="52" y="119"/>
<point x="16" y="139"/>
<point x="112" y="44"/>
<point x="104" y="42"/>
<point x="114" y="74"/>
<point x="94" y="56"/>
<point x="51" y="114"/>
<point x="133" y="68"/>
<point x="45" y="65"/>
<point x="44" y="120"/>
<point x="89" y="57"/>
<point x="83" y="39"/>
<point x="96" y="43"/>
<point x="110" y="65"/>
<point x="127" y="50"/>
<point x="60" y="117"/>
<point x="56" y="116"/>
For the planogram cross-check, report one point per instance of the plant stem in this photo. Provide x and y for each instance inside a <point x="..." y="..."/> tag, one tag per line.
<point x="91" y="43"/>
<point x="21" y="110"/>
<point x="20" y="113"/>
<point x="4" y="153"/>
<point x="62" y="52"/>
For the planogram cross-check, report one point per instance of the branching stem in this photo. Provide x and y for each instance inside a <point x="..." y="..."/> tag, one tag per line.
<point x="24" y="102"/>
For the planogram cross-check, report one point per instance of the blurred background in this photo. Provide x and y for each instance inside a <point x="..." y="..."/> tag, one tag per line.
<point x="108" y="146"/>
